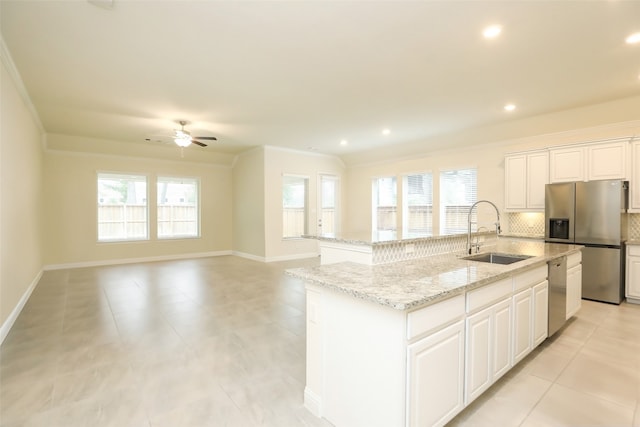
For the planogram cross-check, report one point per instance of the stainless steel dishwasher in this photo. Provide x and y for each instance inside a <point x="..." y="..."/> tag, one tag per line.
<point x="557" y="294"/>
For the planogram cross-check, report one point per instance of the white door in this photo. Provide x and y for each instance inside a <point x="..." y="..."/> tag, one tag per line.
<point x="328" y="205"/>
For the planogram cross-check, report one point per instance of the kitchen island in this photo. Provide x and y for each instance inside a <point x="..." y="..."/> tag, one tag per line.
<point x="411" y="343"/>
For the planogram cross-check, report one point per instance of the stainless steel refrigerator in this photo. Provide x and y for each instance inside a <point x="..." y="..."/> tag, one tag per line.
<point x="592" y="214"/>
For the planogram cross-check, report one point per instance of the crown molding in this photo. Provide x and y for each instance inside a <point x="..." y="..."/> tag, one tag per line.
<point x="10" y="66"/>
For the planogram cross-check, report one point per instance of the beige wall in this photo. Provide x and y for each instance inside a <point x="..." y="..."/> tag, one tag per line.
<point x="21" y="195"/>
<point x="248" y="204"/>
<point x="71" y="209"/>
<point x="279" y="162"/>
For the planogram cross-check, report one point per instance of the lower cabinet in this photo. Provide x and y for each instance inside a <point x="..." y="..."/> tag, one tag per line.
<point x="488" y="351"/>
<point x="574" y="289"/>
<point x="436" y="377"/>
<point x="375" y="366"/>
<point x="522" y="312"/>
<point x="632" y="291"/>
<point x="530" y="319"/>
<point x="540" y="312"/>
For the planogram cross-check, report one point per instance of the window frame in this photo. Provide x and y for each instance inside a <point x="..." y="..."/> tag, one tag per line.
<point x="377" y="233"/>
<point x="306" y="209"/>
<point x="406" y="233"/>
<point x="125" y="239"/>
<point x="442" y="207"/>
<point x="198" y="209"/>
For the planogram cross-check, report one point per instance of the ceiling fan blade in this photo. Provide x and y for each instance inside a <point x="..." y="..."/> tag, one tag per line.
<point x="201" y="144"/>
<point x="209" y="138"/>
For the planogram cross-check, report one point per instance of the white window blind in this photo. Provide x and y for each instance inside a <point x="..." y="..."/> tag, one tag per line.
<point x="458" y="191"/>
<point x="122" y="207"/>
<point x="294" y="206"/>
<point x="384" y="212"/>
<point x="417" y="213"/>
<point x="178" y="209"/>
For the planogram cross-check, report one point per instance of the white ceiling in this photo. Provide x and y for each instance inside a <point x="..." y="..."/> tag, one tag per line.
<point x="303" y="74"/>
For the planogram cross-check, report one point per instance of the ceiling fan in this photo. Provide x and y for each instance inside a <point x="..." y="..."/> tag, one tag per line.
<point x="183" y="138"/>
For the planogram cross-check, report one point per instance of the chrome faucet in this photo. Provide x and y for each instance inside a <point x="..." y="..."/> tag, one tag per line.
<point x="477" y="243"/>
<point x="469" y="244"/>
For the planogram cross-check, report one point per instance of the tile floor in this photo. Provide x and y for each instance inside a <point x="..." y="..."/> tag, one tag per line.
<point x="221" y="341"/>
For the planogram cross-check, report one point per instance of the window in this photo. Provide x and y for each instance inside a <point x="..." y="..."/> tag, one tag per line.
<point x="328" y="223"/>
<point x="122" y="207"/>
<point x="417" y="205"/>
<point x="384" y="207"/>
<point x="294" y="206"/>
<point x="458" y="191"/>
<point x="178" y="210"/>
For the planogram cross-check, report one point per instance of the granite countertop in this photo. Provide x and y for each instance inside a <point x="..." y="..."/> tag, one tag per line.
<point x="409" y="285"/>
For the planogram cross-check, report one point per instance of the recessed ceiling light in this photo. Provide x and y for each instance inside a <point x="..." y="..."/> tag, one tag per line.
<point x="633" y="38"/>
<point x="492" y="31"/>
<point x="509" y="107"/>
<point x="386" y="131"/>
<point x="344" y="142"/>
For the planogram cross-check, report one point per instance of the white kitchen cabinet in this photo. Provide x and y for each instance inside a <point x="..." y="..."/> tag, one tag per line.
<point x="634" y="183"/>
<point x="540" y="312"/>
<point x="632" y="285"/>
<point x="373" y="365"/>
<point x="566" y="164"/>
<point x="502" y="338"/>
<point x="589" y="162"/>
<point x="436" y="377"/>
<point x="488" y="348"/>
<point x="522" y="321"/>
<point x="574" y="290"/>
<point x="607" y="160"/>
<point x="525" y="177"/>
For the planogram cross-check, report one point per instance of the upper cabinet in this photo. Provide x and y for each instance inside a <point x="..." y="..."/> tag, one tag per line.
<point x="634" y="183"/>
<point x="525" y="177"/>
<point x="607" y="160"/>
<point x="589" y="162"/>
<point x="566" y="164"/>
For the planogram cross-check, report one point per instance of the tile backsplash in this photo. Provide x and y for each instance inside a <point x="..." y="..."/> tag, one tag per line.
<point x="532" y="223"/>
<point x="633" y="226"/>
<point x="526" y="223"/>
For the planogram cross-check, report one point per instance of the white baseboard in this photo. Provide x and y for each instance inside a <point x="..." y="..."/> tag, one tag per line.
<point x="292" y="257"/>
<point x="135" y="260"/>
<point x="6" y="326"/>
<point x="312" y="402"/>
<point x="275" y="258"/>
<point x="249" y="256"/>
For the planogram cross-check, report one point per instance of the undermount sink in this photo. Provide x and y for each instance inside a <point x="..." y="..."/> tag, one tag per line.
<point x="497" y="258"/>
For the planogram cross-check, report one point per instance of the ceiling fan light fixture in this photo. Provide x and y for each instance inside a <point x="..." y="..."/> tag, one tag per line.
<point x="182" y="141"/>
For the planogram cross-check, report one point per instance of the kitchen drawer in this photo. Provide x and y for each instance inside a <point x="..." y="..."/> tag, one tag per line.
<point x="485" y="295"/>
<point x="574" y="259"/>
<point x="530" y="278"/>
<point x="434" y="316"/>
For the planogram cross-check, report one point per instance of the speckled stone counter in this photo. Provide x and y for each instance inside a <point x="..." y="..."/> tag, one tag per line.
<point x="412" y="284"/>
